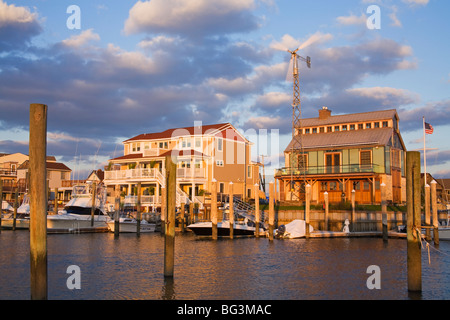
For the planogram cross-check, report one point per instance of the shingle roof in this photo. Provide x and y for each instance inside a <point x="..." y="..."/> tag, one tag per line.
<point x="347" y="118"/>
<point x="379" y="136"/>
<point x="180" y="153"/>
<point x="49" y="165"/>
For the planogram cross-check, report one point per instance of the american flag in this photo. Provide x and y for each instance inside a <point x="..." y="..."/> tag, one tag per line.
<point x="428" y="128"/>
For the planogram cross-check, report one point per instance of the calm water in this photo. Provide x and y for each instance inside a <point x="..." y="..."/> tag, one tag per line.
<point x="242" y="269"/>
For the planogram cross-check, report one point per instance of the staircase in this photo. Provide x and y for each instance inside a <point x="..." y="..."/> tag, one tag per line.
<point x="182" y="197"/>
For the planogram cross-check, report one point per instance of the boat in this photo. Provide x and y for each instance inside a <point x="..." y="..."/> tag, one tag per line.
<point x="22" y="215"/>
<point x="293" y="230"/>
<point x="128" y="224"/>
<point x="76" y="216"/>
<point x="245" y="227"/>
<point x="6" y="207"/>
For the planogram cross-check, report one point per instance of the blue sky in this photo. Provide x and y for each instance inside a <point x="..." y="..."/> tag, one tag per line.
<point x="145" y="66"/>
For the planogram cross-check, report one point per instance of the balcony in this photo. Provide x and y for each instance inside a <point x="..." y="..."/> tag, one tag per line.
<point x="328" y="170"/>
<point x="153" y="174"/>
<point x="8" y="173"/>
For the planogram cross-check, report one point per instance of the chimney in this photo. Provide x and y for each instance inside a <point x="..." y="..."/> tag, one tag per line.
<point x="324" y="113"/>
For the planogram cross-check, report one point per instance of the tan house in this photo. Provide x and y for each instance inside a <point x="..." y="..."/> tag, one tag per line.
<point x="57" y="172"/>
<point x="342" y="153"/>
<point x="204" y="154"/>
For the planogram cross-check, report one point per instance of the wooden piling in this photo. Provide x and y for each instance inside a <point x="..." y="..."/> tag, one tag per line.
<point x="55" y="207"/>
<point x="214" y="208"/>
<point x="182" y="212"/>
<point x="138" y="208"/>
<point x="163" y="209"/>
<point x="307" y="209"/>
<point x="16" y="206"/>
<point x="427" y="213"/>
<point x="94" y="195"/>
<point x="257" y="214"/>
<point x="327" y="214"/>
<point x="38" y="201"/>
<point x="353" y="210"/>
<point x="116" y="217"/>
<point x="384" y="212"/>
<point x="231" y="210"/>
<point x="1" y="203"/>
<point x="169" y="242"/>
<point x="435" y="213"/>
<point x="271" y="210"/>
<point x="413" y="199"/>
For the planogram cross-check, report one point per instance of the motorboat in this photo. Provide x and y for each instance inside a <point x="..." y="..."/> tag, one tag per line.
<point x="6" y="207"/>
<point x="128" y="224"/>
<point x="22" y="215"/>
<point x="77" y="214"/>
<point x="293" y="230"/>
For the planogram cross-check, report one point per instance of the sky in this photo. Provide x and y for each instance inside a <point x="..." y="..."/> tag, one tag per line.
<point x="111" y="70"/>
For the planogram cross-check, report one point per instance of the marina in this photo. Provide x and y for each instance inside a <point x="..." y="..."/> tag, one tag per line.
<point x="130" y="267"/>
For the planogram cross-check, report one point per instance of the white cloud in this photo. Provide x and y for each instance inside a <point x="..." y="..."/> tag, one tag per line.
<point x="416" y="2"/>
<point x="390" y="95"/>
<point x="290" y="43"/>
<point x="81" y="39"/>
<point x="352" y="20"/>
<point x="10" y="14"/>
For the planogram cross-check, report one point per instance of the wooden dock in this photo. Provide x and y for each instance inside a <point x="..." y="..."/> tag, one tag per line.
<point x="366" y="234"/>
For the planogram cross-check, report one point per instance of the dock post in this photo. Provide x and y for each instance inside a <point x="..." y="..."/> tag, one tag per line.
<point x="38" y="201"/>
<point x="257" y="215"/>
<point x="116" y="217"/>
<point x="231" y="210"/>
<point x="307" y="209"/>
<point x="271" y="210"/>
<point x="1" y="203"/>
<point x="214" y="208"/>
<point x="427" y="213"/>
<point x="327" y="213"/>
<point x="55" y="207"/>
<point x="414" y="254"/>
<point x="171" y="202"/>
<point x="138" y="208"/>
<point x="163" y="209"/>
<point x="182" y="212"/>
<point x="94" y="195"/>
<point x="16" y="206"/>
<point x="353" y="210"/>
<point x="435" y="213"/>
<point x="384" y="212"/>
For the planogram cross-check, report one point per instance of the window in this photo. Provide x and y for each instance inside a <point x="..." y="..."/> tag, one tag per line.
<point x="63" y="175"/>
<point x="220" y="144"/>
<point x="146" y="146"/>
<point x="360" y="126"/>
<point x="376" y="124"/>
<point x="302" y="161"/>
<point x="365" y="158"/>
<point x="219" y="163"/>
<point x="198" y="142"/>
<point x="336" y="128"/>
<point x="163" y="145"/>
<point x="352" y="127"/>
<point x="329" y="129"/>
<point x="249" y="171"/>
<point x="385" y="124"/>
<point x="186" y="143"/>
<point x="314" y="130"/>
<point x="368" y="125"/>
<point x="322" y="129"/>
<point x="221" y="187"/>
<point x="324" y="186"/>
<point x="344" y="127"/>
<point x="198" y="164"/>
<point x="307" y="131"/>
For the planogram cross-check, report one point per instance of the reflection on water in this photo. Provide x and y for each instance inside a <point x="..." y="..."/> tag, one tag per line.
<point x="130" y="267"/>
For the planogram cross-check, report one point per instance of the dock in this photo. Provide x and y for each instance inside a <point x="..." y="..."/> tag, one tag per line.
<point x="364" y="234"/>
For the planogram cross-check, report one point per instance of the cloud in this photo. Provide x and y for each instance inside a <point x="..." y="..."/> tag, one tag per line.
<point x="436" y="113"/>
<point x="414" y="3"/>
<point x="81" y="39"/>
<point x="17" y="26"/>
<point x="352" y="20"/>
<point x="191" y="18"/>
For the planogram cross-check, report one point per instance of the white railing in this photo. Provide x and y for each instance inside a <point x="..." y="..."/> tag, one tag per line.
<point x="141" y="173"/>
<point x="190" y="173"/>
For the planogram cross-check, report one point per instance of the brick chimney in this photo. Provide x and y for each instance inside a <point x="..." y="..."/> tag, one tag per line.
<point x="324" y="113"/>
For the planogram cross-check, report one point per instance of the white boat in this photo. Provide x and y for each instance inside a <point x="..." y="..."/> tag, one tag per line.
<point x="6" y="206"/>
<point x="444" y="233"/>
<point x="22" y="217"/>
<point x="129" y="225"/>
<point x="223" y="229"/>
<point x="293" y="230"/>
<point x="25" y="206"/>
<point x="76" y="216"/>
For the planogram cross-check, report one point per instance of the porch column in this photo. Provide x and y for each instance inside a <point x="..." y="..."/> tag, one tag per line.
<point x="193" y="191"/>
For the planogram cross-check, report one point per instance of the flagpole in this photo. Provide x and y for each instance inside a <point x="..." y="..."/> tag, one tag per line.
<point x="424" y="155"/>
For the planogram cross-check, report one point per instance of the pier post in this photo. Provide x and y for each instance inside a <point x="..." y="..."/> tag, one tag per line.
<point x="214" y="208"/>
<point x="307" y="209"/>
<point x="327" y="214"/>
<point x="1" y="203"/>
<point x="182" y="212"/>
<point x="38" y="201"/>
<point x="116" y="217"/>
<point x="171" y="201"/>
<point x="94" y="195"/>
<point x="427" y="212"/>
<point x="16" y="206"/>
<point x="435" y="213"/>
<point x="271" y="210"/>
<point x="384" y="212"/>
<point x="163" y="209"/>
<point x="414" y="254"/>
<point x="55" y="207"/>
<point x="138" y="208"/>
<point x="231" y="210"/>
<point x="353" y="210"/>
<point x="257" y="214"/>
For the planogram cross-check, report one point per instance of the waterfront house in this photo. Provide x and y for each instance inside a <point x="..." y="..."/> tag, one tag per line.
<point x="341" y="153"/>
<point x="217" y="152"/>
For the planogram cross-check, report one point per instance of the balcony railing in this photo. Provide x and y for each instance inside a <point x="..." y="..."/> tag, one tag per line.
<point x="153" y="174"/>
<point x="324" y="170"/>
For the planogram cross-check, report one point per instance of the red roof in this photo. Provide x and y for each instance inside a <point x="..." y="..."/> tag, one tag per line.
<point x="175" y="152"/>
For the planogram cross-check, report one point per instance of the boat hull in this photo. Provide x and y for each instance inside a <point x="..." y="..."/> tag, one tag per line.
<point x="131" y="227"/>
<point x="223" y="229"/>
<point x="444" y="233"/>
<point x="21" y="224"/>
<point x="71" y="223"/>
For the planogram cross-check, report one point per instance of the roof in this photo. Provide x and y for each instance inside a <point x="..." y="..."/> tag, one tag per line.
<point x="379" y="136"/>
<point x="175" y="152"/>
<point x="347" y="118"/>
<point x="186" y="131"/>
<point x="49" y="165"/>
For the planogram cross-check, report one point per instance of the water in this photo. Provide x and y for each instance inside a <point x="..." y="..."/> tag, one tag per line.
<point x="242" y="269"/>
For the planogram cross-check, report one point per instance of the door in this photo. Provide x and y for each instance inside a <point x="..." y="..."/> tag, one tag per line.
<point x="333" y="162"/>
